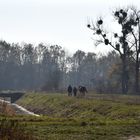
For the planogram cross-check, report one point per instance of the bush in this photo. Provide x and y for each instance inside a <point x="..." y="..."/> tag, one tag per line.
<point x="13" y="130"/>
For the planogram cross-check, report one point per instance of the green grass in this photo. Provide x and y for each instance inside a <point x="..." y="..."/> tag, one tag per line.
<point x="56" y="128"/>
<point x="59" y="105"/>
<point x="99" y="117"/>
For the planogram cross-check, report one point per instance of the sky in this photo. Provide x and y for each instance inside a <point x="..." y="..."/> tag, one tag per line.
<point x="61" y="22"/>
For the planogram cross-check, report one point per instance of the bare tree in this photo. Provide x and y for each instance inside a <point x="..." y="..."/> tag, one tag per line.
<point x="135" y="41"/>
<point x="120" y="43"/>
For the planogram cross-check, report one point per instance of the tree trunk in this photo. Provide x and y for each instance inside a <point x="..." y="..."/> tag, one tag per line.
<point x="124" y="76"/>
<point x="137" y="74"/>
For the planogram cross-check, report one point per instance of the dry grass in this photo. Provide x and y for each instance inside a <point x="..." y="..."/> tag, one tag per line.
<point x="6" y="109"/>
<point x="13" y="130"/>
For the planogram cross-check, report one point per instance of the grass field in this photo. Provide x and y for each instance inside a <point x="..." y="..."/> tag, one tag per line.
<point x="97" y="117"/>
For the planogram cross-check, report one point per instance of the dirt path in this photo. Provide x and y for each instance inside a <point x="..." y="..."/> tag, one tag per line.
<point x="19" y="109"/>
<point x="134" y="138"/>
<point x="22" y="111"/>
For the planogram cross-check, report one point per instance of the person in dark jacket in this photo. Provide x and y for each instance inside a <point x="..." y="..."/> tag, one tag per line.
<point x="74" y="91"/>
<point x="82" y="90"/>
<point x="69" y="90"/>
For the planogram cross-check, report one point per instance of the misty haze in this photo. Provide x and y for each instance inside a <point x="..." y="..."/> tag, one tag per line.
<point x="69" y="70"/>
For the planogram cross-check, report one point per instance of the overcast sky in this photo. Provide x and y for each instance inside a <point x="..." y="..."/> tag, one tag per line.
<point x="61" y="22"/>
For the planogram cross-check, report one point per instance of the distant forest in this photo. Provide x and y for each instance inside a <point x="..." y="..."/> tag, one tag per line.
<point x="48" y="68"/>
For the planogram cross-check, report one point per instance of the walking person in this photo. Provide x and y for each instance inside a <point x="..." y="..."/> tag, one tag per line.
<point x="74" y="91"/>
<point x="82" y="91"/>
<point x="69" y="90"/>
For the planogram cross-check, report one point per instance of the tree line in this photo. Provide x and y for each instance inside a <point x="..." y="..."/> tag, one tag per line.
<point x="50" y="68"/>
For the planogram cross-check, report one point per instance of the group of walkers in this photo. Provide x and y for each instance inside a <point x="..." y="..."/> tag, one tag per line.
<point x="73" y="91"/>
